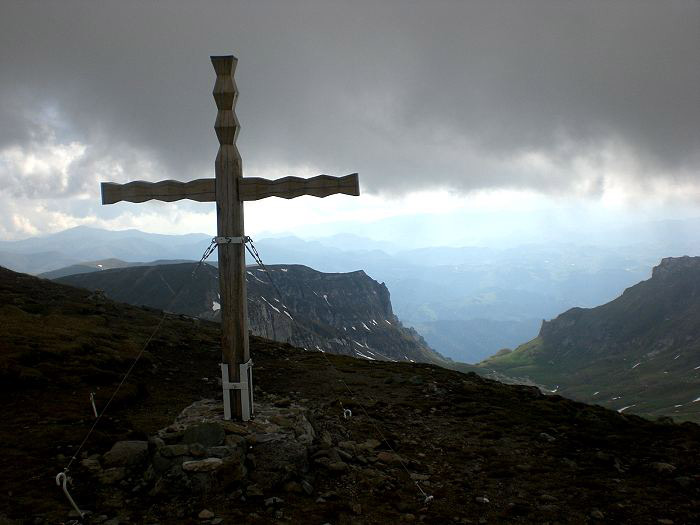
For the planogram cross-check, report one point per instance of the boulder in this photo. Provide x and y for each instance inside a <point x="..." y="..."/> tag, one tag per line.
<point x="206" y="434"/>
<point x="202" y="465"/>
<point x="126" y="454"/>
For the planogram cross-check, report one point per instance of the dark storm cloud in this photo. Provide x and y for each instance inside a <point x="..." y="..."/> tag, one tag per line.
<point x="411" y="94"/>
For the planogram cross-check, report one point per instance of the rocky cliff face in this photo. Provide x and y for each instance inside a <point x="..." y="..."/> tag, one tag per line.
<point x="639" y="352"/>
<point x="342" y="313"/>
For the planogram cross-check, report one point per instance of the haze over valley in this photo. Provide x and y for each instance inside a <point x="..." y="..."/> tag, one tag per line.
<point x="467" y="302"/>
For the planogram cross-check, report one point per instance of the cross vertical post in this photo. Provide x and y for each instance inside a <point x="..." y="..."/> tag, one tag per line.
<point x="229" y="190"/>
<point x="229" y="216"/>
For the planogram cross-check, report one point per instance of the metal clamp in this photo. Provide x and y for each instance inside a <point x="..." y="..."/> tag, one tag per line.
<point x="245" y="386"/>
<point x="231" y="240"/>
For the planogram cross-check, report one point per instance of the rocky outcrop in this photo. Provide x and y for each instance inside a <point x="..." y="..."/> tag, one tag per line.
<point x="341" y="313"/>
<point x="638" y="353"/>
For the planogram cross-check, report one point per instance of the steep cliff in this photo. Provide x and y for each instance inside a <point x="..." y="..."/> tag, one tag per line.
<point x="342" y="313"/>
<point x="638" y="353"/>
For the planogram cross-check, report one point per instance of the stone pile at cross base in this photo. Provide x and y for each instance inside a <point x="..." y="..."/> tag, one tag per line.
<point x="202" y="456"/>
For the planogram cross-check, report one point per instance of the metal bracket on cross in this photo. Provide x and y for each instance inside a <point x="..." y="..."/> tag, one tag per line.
<point x="245" y="386"/>
<point x="231" y="240"/>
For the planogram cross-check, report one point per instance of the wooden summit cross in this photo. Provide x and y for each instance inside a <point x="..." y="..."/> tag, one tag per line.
<point x="229" y="189"/>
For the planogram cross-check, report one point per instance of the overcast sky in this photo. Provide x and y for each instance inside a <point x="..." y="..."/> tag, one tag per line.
<point x="439" y="105"/>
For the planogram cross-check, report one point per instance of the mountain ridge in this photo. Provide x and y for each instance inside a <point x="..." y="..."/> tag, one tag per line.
<point x="344" y="313"/>
<point x="638" y="353"/>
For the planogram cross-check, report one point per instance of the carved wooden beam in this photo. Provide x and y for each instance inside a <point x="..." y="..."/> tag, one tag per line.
<point x="202" y="190"/>
<point x="253" y="188"/>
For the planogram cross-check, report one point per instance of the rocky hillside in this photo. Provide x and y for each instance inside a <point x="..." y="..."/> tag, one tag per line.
<point x="639" y="353"/>
<point x="342" y="313"/>
<point x="422" y="443"/>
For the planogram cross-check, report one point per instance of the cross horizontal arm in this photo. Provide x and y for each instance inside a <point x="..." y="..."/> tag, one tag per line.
<point x="253" y="188"/>
<point x="202" y="190"/>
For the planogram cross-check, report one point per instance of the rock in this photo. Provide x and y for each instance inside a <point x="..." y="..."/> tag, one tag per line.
<point x="161" y="464"/>
<point x="233" y="428"/>
<point x="547" y="437"/>
<point x="597" y="515"/>
<point x="273" y="501"/>
<point x="326" y="439"/>
<point x="308" y="487"/>
<point x="293" y="486"/>
<point x="205" y="514"/>
<point x="368" y="445"/>
<point x="388" y="457"/>
<point x="232" y="470"/>
<point x="197" y="450"/>
<point x="92" y="465"/>
<point x="266" y="437"/>
<point x="154" y="442"/>
<point x="254" y="490"/>
<point x="345" y="456"/>
<point x="172" y="481"/>
<point x="304" y="431"/>
<point x="203" y="465"/>
<point x="664" y="521"/>
<point x="234" y="440"/>
<point x="283" y="402"/>
<point x="482" y="499"/>
<point x="112" y="475"/>
<point x="547" y="498"/>
<point x="217" y="521"/>
<point x="207" y="434"/>
<point x="338" y="466"/>
<point x="126" y="453"/>
<point x="220" y="452"/>
<point x="662" y="468"/>
<point x="347" y="445"/>
<point x="171" y="451"/>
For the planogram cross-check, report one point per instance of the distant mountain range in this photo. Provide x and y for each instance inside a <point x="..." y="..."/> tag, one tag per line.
<point x="342" y="313"/>
<point x="469" y="302"/>
<point x="639" y="353"/>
